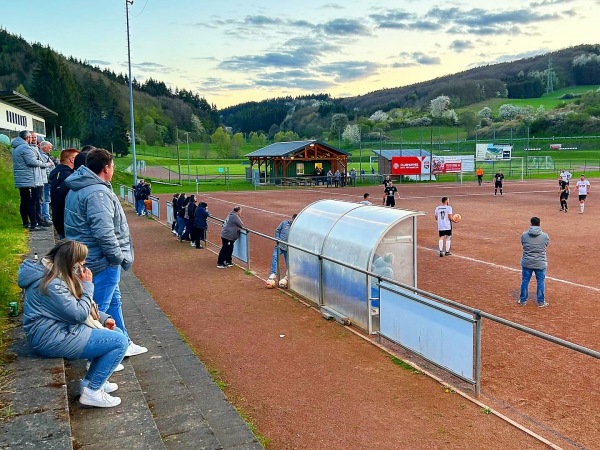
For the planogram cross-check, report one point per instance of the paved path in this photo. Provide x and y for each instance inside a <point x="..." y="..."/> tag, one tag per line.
<point x="169" y="399"/>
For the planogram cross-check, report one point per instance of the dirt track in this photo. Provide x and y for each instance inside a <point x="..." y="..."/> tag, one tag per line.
<point x="307" y="383"/>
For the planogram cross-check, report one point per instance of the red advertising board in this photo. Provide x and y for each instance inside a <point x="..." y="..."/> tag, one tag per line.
<point x="407" y="165"/>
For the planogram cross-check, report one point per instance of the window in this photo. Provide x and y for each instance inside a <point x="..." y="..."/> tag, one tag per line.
<point x="39" y="127"/>
<point x="300" y="168"/>
<point x="17" y="119"/>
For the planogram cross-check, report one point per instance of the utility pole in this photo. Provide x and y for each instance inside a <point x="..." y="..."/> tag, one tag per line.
<point x="131" y="118"/>
<point x="178" y="155"/>
<point x="187" y="140"/>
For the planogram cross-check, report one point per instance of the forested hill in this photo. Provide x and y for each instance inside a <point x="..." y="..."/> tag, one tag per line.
<point x="93" y="104"/>
<point x="524" y="78"/>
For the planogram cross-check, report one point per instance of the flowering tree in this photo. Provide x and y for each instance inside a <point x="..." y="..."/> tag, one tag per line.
<point x="351" y="134"/>
<point x="485" y="113"/>
<point x="379" y="116"/>
<point x="439" y="108"/>
<point x="508" y="111"/>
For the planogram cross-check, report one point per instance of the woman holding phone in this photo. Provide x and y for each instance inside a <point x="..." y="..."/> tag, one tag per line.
<point x="61" y="320"/>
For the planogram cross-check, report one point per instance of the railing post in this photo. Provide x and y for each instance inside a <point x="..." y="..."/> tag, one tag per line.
<point x="477" y="353"/>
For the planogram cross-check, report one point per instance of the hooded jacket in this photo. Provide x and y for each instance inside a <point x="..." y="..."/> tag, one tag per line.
<point x="27" y="164"/>
<point x="534" y="243"/>
<point x="54" y="323"/>
<point x="94" y="216"/>
<point x="200" y="218"/>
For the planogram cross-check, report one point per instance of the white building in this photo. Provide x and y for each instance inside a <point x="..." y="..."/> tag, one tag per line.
<point x="18" y="112"/>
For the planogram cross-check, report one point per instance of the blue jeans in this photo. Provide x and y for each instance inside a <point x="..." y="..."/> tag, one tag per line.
<point x="540" y="276"/>
<point x="105" y="350"/>
<point x="108" y="295"/>
<point x="140" y="207"/>
<point x="274" y="260"/>
<point x="46" y="204"/>
<point x="180" y="225"/>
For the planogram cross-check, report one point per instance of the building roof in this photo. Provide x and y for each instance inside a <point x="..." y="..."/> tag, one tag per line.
<point x="280" y="149"/>
<point x="26" y="104"/>
<point x="388" y="154"/>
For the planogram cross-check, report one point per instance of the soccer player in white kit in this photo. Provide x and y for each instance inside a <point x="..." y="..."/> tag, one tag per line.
<point x="583" y="187"/>
<point x="443" y="216"/>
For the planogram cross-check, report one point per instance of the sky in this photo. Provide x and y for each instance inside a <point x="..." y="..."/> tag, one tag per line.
<point x="234" y="51"/>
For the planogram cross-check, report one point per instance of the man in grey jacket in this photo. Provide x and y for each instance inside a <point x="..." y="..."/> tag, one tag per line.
<point x="95" y="217"/>
<point x="534" y="242"/>
<point x="27" y="172"/>
<point x="232" y="228"/>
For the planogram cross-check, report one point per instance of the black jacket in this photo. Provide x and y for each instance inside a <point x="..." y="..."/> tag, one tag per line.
<point x="58" y="195"/>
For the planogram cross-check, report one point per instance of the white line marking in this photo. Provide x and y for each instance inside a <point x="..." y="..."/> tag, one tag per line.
<point x="512" y="269"/>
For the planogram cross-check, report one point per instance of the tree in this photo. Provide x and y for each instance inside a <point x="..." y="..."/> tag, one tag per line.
<point x="351" y="134"/>
<point x="508" y="111"/>
<point x="222" y="141"/>
<point x="469" y="120"/>
<point x="55" y="87"/>
<point x="485" y="113"/>
<point x="236" y="143"/>
<point x="440" y="109"/>
<point x="338" y="123"/>
<point x="379" y="116"/>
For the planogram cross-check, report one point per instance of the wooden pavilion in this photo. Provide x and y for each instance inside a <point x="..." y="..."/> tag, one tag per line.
<point x="297" y="162"/>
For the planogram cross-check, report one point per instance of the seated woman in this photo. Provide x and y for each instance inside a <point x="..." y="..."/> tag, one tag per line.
<point x="60" y="319"/>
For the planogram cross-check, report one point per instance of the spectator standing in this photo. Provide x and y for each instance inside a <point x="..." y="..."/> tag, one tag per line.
<point x="200" y="226"/>
<point x="182" y="202"/>
<point x="281" y="234"/>
<point x="534" y="242"/>
<point x="336" y="178"/>
<point x="61" y="320"/>
<point x="353" y="177"/>
<point x="362" y="174"/>
<point x="232" y="228"/>
<point x="58" y="191"/>
<point x="46" y="150"/>
<point x="329" y="177"/>
<point x="141" y="192"/>
<point x="188" y="216"/>
<point x="174" y="210"/>
<point x="27" y="171"/>
<point x="95" y="217"/>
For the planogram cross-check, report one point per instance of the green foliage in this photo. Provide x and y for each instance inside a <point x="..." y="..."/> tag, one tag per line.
<point x="13" y="238"/>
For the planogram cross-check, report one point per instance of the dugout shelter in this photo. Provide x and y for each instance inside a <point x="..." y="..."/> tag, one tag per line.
<point x="331" y="239"/>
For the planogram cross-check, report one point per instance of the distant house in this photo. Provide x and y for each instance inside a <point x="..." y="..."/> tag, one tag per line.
<point x="18" y="112"/>
<point x="297" y="162"/>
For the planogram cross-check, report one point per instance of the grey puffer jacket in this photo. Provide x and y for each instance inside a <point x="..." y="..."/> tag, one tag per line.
<point x="232" y="227"/>
<point x="534" y="243"/>
<point x="95" y="217"/>
<point x="49" y="168"/>
<point x="54" y="322"/>
<point x="27" y="164"/>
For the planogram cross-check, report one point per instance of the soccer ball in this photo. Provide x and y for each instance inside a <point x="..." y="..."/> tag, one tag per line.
<point x="456" y="218"/>
<point x="271" y="283"/>
<point x="283" y="283"/>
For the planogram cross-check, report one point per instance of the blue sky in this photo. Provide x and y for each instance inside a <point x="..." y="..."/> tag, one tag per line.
<point x="235" y="51"/>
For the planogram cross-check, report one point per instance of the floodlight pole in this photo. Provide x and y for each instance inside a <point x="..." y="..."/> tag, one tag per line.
<point x="131" y="118"/>
<point x="187" y="140"/>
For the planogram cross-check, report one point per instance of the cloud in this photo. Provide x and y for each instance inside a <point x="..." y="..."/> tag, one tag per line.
<point x="345" y="27"/>
<point x="460" y="45"/>
<point x="344" y="71"/>
<point x="416" y="59"/>
<point x="393" y="19"/>
<point x="261" y="62"/>
<point x="98" y="62"/>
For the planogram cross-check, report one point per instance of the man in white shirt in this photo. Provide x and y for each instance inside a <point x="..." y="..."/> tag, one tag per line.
<point x="583" y="188"/>
<point x="565" y="175"/>
<point x="443" y="216"/>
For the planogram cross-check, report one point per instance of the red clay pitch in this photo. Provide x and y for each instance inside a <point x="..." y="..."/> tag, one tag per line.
<point x="311" y="384"/>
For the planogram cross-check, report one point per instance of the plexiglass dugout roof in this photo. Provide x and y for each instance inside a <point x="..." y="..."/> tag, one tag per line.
<point x="353" y="234"/>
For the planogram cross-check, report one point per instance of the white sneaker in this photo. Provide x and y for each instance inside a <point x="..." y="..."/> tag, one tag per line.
<point x="192" y="244"/>
<point x="272" y="276"/>
<point x="98" y="398"/>
<point x="107" y="387"/>
<point x="134" y="349"/>
<point x="118" y="369"/>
